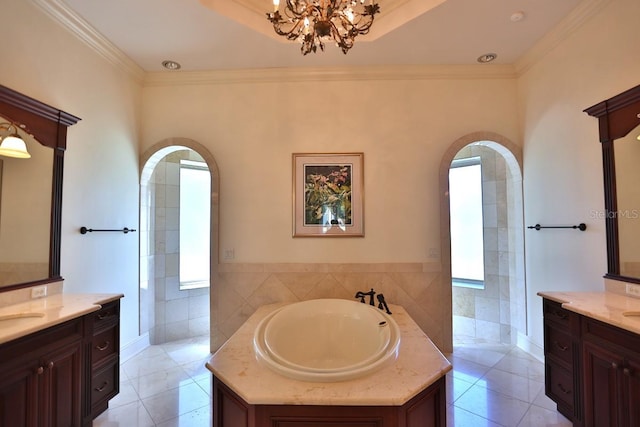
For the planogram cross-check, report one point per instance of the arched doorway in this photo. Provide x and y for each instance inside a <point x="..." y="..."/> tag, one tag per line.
<point x="174" y="306"/>
<point x="494" y="311"/>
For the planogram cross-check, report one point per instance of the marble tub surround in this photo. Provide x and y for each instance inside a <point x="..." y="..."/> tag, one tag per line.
<point x="241" y="288"/>
<point x="607" y="307"/>
<point x="48" y="311"/>
<point x="419" y="364"/>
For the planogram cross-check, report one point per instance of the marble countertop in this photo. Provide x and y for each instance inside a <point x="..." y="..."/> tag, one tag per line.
<point x="608" y="307"/>
<point x="55" y="309"/>
<point x="419" y="364"/>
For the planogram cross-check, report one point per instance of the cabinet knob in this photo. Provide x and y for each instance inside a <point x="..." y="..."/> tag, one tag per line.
<point x="627" y="372"/>
<point x="40" y="370"/>
<point x="614" y="365"/>
<point x="50" y="365"/>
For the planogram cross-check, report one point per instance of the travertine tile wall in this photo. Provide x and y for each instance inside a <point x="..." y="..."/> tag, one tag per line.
<point x="242" y="288"/>
<point x="167" y="312"/>
<point x="485" y="314"/>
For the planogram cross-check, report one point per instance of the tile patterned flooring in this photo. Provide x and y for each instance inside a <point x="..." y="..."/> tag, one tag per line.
<point x="490" y="386"/>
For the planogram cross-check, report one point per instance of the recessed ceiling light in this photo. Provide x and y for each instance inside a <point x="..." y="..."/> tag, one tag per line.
<point x="171" y="65"/>
<point x="487" y="57"/>
<point x="517" y="16"/>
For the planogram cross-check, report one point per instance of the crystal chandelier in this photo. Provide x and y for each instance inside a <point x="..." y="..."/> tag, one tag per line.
<point x="313" y="22"/>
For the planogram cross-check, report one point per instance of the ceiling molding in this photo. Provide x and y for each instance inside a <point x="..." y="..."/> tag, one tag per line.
<point x="65" y="16"/>
<point x="280" y="75"/>
<point x="252" y="14"/>
<point x="583" y="12"/>
<point x="80" y="28"/>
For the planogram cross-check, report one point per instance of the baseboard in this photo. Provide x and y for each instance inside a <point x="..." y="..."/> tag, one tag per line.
<point x="530" y="347"/>
<point x="134" y="347"/>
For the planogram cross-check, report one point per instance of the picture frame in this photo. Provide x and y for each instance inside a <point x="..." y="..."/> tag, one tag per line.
<point x="328" y="195"/>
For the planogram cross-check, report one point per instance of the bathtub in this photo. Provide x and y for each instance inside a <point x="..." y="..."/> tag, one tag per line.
<point x="326" y="340"/>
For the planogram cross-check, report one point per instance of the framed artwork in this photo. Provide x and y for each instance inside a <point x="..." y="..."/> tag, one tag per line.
<point x="328" y="193"/>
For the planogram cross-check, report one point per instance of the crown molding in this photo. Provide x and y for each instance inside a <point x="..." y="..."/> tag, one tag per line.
<point x="75" y="24"/>
<point x="582" y="13"/>
<point x="282" y="75"/>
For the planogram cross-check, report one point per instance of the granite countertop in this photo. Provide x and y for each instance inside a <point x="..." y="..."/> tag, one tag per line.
<point x="419" y="364"/>
<point x="56" y="309"/>
<point x="608" y="307"/>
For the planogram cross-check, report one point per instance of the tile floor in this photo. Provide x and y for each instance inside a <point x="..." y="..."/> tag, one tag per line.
<point x="491" y="385"/>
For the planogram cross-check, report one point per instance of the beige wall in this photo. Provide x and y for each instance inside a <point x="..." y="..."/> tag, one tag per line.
<point x="403" y="127"/>
<point x="562" y="157"/>
<point x="48" y="63"/>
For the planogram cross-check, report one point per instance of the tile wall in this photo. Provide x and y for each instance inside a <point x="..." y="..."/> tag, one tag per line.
<point x="241" y="288"/>
<point x="166" y="312"/>
<point x="485" y="314"/>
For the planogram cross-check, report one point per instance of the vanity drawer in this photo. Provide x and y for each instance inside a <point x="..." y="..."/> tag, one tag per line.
<point x="108" y="315"/>
<point x="559" y="385"/>
<point x="558" y="344"/>
<point x="103" y="345"/>
<point x="553" y="311"/>
<point x="104" y="384"/>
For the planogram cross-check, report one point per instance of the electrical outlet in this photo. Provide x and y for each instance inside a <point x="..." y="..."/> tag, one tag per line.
<point x="38" y="292"/>
<point x="633" y="290"/>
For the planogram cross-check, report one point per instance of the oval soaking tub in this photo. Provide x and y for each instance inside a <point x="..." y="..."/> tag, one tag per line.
<point x="326" y="340"/>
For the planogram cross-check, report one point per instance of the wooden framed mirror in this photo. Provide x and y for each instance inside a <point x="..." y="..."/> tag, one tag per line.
<point x="619" y="128"/>
<point x="33" y="224"/>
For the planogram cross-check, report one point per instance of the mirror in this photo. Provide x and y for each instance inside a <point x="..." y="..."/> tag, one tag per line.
<point x="619" y="126"/>
<point x="31" y="193"/>
<point x="25" y="212"/>
<point x="627" y="154"/>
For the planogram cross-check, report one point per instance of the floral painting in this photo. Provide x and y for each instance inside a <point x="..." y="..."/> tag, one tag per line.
<point x="328" y="194"/>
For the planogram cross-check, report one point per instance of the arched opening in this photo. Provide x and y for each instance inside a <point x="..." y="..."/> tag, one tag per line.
<point x="176" y="284"/>
<point x="492" y="309"/>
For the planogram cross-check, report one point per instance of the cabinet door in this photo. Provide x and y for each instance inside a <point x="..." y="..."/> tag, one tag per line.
<point x="631" y="381"/>
<point x="19" y="394"/>
<point x="602" y="387"/>
<point x="62" y="387"/>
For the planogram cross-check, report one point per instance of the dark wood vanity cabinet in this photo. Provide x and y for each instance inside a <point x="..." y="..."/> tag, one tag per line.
<point x="62" y="376"/>
<point x="427" y="409"/>
<point x="41" y="378"/>
<point x="563" y="359"/>
<point x="612" y="375"/>
<point x="592" y="369"/>
<point x="102" y="355"/>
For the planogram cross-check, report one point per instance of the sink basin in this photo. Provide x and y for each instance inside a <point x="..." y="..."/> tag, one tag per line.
<point x="326" y="340"/>
<point x="631" y="314"/>
<point x="21" y="315"/>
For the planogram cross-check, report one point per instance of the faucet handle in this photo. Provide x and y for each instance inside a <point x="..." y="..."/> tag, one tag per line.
<point x="382" y="304"/>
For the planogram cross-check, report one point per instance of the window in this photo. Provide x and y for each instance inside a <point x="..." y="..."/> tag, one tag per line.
<point x="465" y="201"/>
<point x="195" y="219"/>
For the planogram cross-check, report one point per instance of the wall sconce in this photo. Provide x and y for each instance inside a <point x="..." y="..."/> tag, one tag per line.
<point x="13" y="145"/>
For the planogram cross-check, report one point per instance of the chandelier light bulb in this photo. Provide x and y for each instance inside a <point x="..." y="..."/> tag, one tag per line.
<point x="349" y="14"/>
<point x="276" y="5"/>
